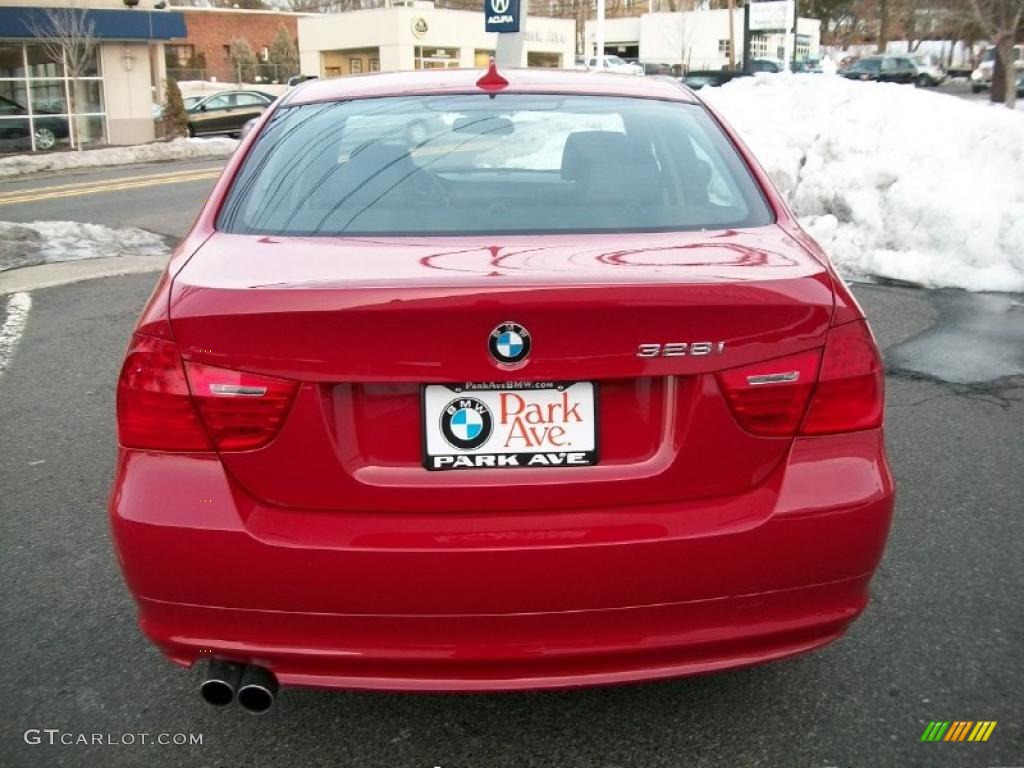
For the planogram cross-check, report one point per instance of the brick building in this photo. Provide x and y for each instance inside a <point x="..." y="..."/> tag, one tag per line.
<point x="204" y="53"/>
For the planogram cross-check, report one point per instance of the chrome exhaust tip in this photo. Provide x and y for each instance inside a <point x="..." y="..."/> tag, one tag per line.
<point x="257" y="690"/>
<point x="221" y="683"/>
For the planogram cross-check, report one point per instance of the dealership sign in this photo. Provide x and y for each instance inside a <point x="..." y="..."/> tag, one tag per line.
<point x="501" y="15"/>
<point x="774" y="15"/>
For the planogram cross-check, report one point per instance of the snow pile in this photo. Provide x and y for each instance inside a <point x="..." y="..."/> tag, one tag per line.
<point x="893" y="181"/>
<point x="178" y="149"/>
<point x="41" y="242"/>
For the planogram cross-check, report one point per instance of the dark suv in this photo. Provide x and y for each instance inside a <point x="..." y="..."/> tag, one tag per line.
<point x="885" y="69"/>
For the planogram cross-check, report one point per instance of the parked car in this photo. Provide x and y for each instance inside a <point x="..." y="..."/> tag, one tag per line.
<point x="226" y="112"/>
<point x="981" y="77"/>
<point x="16" y="128"/>
<point x="930" y="72"/>
<point x="1020" y="85"/>
<point x="569" y="399"/>
<point x="247" y="128"/>
<point x="703" y="78"/>
<point x="611" y="63"/>
<point x="885" y="69"/>
<point x="762" y="65"/>
<point x="808" y="66"/>
<point x="659" y="68"/>
<point x="299" y="79"/>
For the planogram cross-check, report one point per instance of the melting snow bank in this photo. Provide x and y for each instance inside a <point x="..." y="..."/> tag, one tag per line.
<point x="177" y="149"/>
<point x="42" y="242"/>
<point x="893" y="181"/>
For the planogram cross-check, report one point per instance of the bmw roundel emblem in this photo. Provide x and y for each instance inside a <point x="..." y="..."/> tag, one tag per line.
<point x="466" y="423"/>
<point x="509" y="343"/>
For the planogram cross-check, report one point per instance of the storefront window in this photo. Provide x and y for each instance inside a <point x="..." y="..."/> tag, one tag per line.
<point x="12" y="62"/>
<point x="88" y="96"/>
<point x="759" y="46"/>
<point x="48" y="97"/>
<point x="543" y="59"/>
<point x="41" y="65"/>
<point x="429" y="57"/>
<point x="41" y="108"/>
<point x="14" y="92"/>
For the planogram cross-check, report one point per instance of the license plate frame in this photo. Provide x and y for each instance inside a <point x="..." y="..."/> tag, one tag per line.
<point x="522" y="425"/>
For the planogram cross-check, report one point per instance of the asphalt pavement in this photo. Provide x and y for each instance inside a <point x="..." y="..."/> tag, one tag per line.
<point x="159" y="197"/>
<point x="940" y="641"/>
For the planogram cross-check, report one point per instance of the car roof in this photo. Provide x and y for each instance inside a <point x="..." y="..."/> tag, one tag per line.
<point x="439" y="81"/>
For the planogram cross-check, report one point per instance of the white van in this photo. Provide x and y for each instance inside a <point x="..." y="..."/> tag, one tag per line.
<point x="981" y="77"/>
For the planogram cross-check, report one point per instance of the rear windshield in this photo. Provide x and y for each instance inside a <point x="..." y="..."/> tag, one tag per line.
<point x="472" y="164"/>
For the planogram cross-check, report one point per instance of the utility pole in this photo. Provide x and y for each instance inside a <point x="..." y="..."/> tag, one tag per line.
<point x="732" y="37"/>
<point x="883" y="25"/>
<point x="746" y="34"/>
<point x="600" y="34"/>
<point x="796" y="21"/>
<point x="509" y="51"/>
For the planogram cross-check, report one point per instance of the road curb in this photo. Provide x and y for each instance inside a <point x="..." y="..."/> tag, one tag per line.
<point x="64" y="272"/>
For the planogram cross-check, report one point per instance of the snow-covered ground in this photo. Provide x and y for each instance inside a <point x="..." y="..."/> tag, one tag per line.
<point x="893" y="181"/>
<point x="42" y="242"/>
<point x="177" y="149"/>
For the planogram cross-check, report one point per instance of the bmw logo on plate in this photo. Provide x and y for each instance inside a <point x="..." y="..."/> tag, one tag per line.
<point x="509" y="343"/>
<point x="466" y="423"/>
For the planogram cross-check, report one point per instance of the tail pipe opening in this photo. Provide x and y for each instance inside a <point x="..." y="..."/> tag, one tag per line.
<point x="257" y="690"/>
<point x="221" y="682"/>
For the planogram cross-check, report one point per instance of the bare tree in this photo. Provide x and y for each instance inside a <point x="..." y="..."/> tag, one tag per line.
<point x="999" y="20"/>
<point x="67" y="36"/>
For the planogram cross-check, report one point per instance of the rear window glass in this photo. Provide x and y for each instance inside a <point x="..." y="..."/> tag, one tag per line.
<point x="471" y="164"/>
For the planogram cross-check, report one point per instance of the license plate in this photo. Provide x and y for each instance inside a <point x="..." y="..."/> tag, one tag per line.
<point x="509" y="425"/>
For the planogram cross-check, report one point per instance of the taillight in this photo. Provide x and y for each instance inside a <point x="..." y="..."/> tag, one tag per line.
<point x="241" y="410"/>
<point x="154" y="409"/>
<point x="770" y="398"/>
<point x="851" y="386"/>
<point x="839" y="389"/>
<point x="164" y="404"/>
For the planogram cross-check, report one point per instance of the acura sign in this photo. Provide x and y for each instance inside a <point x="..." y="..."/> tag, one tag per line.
<point x="501" y="15"/>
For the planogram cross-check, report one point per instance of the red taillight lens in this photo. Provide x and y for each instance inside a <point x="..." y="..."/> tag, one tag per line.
<point x="154" y="409"/>
<point x="851" y="386"/>
<point x="164" y="404"/>
<point x="770" y="398"/>
<point x="241" y="410"/>
<point x="846" y="394"/>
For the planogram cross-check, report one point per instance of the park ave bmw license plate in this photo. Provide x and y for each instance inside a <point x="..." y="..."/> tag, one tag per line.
<point x="509" y="425"/>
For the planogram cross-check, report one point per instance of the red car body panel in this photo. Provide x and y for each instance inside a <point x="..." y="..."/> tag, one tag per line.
<point x="332" y="558"/>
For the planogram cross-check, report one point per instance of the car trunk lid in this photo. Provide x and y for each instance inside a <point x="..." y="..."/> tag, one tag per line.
<point x="364" y="324"/>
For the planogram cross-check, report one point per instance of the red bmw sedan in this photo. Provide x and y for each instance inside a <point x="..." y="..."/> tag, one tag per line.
<point x="514" y="382"/>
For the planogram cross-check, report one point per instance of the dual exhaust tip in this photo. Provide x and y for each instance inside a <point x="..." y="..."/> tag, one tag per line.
<point x="255" y="688"/>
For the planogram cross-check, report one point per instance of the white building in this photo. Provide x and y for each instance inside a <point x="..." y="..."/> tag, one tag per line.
<point x="43" y="107"/>
<point x="420" y="36"/>
<point x="700" y="39"/>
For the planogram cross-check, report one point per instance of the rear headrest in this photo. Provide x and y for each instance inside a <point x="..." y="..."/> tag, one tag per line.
<point x="379" y="155"/>
<point x="371" y="171"/>
<point x="584" y="149"/>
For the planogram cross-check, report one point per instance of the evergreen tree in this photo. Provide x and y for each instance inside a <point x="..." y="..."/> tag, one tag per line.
<point x="284" y="52"/>
<point x="175" y="116"/>
<point x="243" y="60"/>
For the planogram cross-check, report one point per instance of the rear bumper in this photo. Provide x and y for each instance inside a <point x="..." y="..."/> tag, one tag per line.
<point x="507" y="601"/>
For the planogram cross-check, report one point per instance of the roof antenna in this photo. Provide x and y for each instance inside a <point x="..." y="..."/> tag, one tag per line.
<point x="492" y="81"/>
